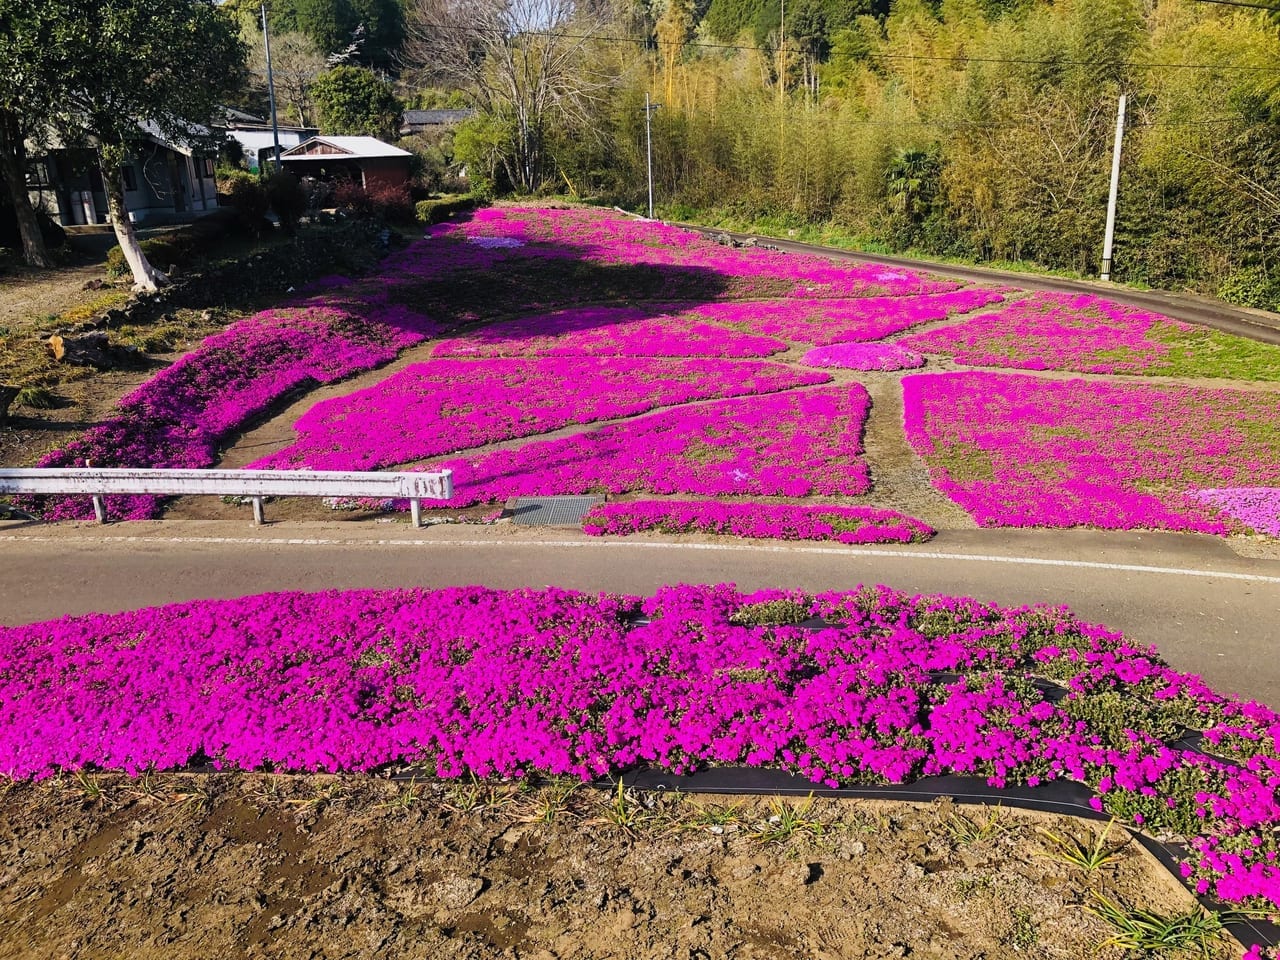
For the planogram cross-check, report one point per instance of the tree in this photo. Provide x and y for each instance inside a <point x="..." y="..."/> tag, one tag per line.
<point x="523" y="62"/>
<point x="163" y="63"/>
<point x="296" y="62"/>
<point x="333" y="24"/>
<point x="96" y="70"/>
<point x="31" y="37"/>
<point x="351" y="100"/>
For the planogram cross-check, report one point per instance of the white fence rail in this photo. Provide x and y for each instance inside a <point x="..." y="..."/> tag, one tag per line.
<point x="100" y="481"/>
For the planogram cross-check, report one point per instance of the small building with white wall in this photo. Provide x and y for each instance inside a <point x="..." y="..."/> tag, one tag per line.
<point x="164" y="182"/>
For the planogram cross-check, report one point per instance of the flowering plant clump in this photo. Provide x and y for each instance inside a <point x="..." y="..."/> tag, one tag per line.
<point x="178" y="417"/>
<point x="868" y="685"/>
<point x="1022" y="451"/>
<point x="794" y="444"/>
<point x="822" y="322"/>
<point x="608" y="238"/>
<point x="443" y="405"/>
<point x="764" y="520"/>
<point x="1255" y="507"/>
<point x="659" y="331"/>
<point x="864" y="356"/>
<point x="1059" y="331"/>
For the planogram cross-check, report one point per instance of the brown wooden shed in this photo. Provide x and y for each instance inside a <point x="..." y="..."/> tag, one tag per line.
<point x="365" y="160"/>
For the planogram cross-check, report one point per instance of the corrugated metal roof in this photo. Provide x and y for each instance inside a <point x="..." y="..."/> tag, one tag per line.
<point x="367" y="147"/>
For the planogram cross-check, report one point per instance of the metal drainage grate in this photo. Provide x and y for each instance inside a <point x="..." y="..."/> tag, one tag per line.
<point x="550" y="511"/>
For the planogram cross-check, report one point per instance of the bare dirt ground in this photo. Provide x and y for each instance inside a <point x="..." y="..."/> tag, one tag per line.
<point x="301" y="867"/>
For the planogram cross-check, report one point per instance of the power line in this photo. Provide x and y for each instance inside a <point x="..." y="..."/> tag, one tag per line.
<point x="938" y="58"/>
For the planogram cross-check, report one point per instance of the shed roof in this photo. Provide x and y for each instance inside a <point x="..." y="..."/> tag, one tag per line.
<point x="352" y="147"/>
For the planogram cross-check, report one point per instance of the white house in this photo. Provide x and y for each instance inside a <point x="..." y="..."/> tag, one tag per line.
<point x="163" y="182"/>
<point x="257" y="138"/>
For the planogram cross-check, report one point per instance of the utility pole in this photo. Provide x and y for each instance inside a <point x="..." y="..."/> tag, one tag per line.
<point x="648" y="144"/>
<point x="271" y="85"/>
<point x="1115" y="189"/>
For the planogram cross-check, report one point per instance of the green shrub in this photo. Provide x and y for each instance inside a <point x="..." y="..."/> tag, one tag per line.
<point x="439" y="210"/>
<point x="287" y="198"/>
<point x="163" y="252"/>
<point x="245" y="193"/>
<point x="1252" y="287"/>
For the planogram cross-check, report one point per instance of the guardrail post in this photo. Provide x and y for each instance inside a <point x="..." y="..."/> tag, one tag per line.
<point x="259" y="515"/>
<point x="99" y="509"/>
<point x="415" y="511"/>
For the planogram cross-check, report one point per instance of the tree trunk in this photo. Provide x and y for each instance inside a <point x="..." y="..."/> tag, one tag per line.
<point x="13" y="163"/>
<point x="146" y="278"/>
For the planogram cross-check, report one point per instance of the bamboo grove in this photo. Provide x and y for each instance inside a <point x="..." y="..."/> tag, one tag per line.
<point x="977" y="129"/>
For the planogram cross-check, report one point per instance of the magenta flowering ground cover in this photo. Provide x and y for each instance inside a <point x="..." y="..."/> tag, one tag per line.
<point x="1060" y="331"/>
<point x="864" y="356"/>
<point x="794" y="444"/>
<point x="770" y="521"/>
<point x="444" y="405"/>
<point x="611" y="238"/>
<point x="659" y="331"/>
<point x="1016" y="450"/>
<point x="178" y="417"/>
<point x="822" y="322"/>
<point x="473" y="681"/>
<point x="1258" y="508"/>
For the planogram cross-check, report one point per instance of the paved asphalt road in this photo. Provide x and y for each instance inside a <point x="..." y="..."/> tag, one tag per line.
<point x="1208" y="610"/>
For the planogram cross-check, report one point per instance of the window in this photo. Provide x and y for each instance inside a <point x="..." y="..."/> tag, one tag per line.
<point x="37" y="174"/>
<point x="130" y="178"/>
<point x="207" y="166"/>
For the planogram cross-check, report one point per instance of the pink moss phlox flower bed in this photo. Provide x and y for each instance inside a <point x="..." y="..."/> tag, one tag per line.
<point x="1058" y="331"/>
<point x="1017" y="450"/>
<point x="473" y="681"/>
<point x="178" y="417"/>
<point x="444" y="405"/>
<point x="1256" y="507"/>
<point x="660" y="331"/>
<point x="822" y="322"/>
<point x="795" y="444"/>
<point x="609" y="238"/>
<point x="863" y="356"/>
<point x="771" y="521"/>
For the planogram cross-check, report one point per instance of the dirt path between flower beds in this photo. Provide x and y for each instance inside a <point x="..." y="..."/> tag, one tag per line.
<point x="344" y="867"/>
<point x="899" y="478"/>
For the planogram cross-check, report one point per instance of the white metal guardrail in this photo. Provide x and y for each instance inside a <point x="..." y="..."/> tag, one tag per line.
<point x="99" y="481"/>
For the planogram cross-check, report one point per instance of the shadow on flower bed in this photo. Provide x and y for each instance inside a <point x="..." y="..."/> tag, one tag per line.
<point x="186" y="414"/>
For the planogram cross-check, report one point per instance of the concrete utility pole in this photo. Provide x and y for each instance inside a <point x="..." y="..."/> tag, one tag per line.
<point x="1115" y="189"/>
<point x="648" y="144"/>
<point x="271" y="85"/>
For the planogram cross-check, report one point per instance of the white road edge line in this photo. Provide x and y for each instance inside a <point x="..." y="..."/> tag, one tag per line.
<point x="642" y="545"/>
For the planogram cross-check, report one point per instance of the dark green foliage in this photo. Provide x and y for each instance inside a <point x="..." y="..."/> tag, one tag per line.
<point x="246" y="195"/>
<point x="375" y="27"/>
<point x="164" y="251"/>
<point x="437" y="211"/>
<point x="353" y="101"/>
<point x="287" y="199"/>
<point x="771" y="613"/>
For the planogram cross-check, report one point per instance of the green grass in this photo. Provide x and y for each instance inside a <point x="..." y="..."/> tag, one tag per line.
<point x="1213" y="354"/>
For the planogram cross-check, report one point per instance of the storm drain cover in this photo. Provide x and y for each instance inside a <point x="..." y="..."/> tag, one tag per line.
<point x="550" y="511"/>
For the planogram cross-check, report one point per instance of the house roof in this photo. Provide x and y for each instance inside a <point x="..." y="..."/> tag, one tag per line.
<point x="430" y="118"/>
<point x="352" y="147"/>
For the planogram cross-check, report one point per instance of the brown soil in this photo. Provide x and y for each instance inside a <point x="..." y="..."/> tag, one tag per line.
<point x="284" y="867"/>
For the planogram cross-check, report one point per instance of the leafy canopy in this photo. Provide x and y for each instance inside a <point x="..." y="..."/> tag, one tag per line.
<point x="351" y="100"/>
